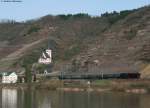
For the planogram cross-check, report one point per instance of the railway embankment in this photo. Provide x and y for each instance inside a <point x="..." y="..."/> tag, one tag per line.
<point x="116" y="85"/>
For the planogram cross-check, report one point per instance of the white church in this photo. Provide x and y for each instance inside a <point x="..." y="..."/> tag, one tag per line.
<point x="46" y="57"/>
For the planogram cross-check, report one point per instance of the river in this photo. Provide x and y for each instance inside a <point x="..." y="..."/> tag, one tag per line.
<point x="13" y="98"/>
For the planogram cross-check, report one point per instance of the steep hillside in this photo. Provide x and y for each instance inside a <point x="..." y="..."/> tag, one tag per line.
<point x="117" y="42"/>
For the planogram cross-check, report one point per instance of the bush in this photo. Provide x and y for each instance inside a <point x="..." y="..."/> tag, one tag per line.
<point x="114" y="16"/>
<point x="65" y="17"/>
<point x="79" y="15"/>
<point x="33" y="29"/>
<point x="131" y="34"/>
<point x="71" y="52"/>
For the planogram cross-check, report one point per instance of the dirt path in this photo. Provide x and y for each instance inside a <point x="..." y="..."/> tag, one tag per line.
<point x="17" y="54"/>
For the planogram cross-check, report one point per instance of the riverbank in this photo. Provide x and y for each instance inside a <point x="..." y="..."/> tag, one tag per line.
<point x="18" y="86"/>
<point x="121" y="85"/>
<point x="129" y="86"/>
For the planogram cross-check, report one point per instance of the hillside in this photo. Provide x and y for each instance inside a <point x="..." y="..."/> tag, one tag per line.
<point x="117" y="42"/>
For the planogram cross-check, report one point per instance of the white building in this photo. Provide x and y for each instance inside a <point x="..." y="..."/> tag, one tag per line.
<point x="46" y="57"/>
<point x="9" y="77"/>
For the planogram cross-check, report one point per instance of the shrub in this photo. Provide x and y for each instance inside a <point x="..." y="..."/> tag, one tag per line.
<point x="33" y="29"/>
<point x="71" y="52"/>
<point x="114" y="16"/>
<point x="131" y="34"/>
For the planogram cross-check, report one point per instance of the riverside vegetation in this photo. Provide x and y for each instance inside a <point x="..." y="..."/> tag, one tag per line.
<point x="129" y="86"/>
<point x="109" y="85"/>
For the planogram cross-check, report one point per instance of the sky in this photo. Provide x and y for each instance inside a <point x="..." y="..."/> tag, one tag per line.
<point x="32" y="9"/>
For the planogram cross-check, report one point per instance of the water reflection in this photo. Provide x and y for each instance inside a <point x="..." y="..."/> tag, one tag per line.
<point x="43" y="99"/>
<point x="13" y="98"/>
<point x="9" y="98"/>
<point x="99" y="100"/>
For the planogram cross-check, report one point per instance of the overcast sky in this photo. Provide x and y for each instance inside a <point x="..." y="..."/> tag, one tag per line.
<point x="30" y="9"/>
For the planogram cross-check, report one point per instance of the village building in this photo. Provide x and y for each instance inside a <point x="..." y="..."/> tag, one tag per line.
<point x="9" y="77"/>
<point x="46" y="57"/>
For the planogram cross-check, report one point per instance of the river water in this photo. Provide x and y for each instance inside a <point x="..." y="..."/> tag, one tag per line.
<point x="13" y="98"/>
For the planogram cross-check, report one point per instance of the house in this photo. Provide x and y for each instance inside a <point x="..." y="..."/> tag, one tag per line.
<point x="46" y="57"/>
<point x="9" y="77"/>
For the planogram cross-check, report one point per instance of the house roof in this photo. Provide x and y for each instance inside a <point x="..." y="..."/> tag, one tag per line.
<point x="6" y="73"/>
